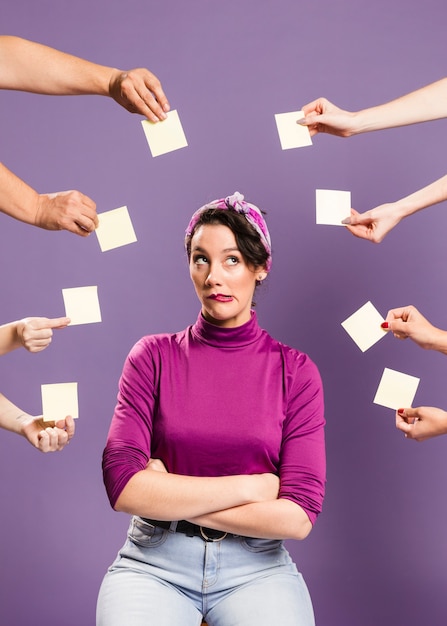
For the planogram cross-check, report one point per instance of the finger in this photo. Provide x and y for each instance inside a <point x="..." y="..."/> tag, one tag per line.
<point x="68" y="424"/>
<point x="58" y="322"/>
<point x="43" y="441"/>
<point x="159" y="94"/>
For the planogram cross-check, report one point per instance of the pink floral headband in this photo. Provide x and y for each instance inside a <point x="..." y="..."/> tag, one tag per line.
<point x="251" y="213"/>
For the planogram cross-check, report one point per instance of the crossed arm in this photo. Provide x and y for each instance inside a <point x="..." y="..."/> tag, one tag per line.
<point x="247" y="504"/>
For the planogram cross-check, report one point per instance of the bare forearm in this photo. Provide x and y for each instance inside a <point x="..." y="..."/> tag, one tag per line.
<point x="432" y="194"/>
<point x="30" y="66"/>
<point x="163" y="496"/>
<point x="9" y="339"/>
<point x="11" y="417"/>
<point x="422" y="105"/>
<point x="277" y="519"/>
<point x="17" y="199"/>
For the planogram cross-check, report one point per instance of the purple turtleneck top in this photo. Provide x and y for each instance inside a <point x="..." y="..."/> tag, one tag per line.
<point x="212" y="401"/>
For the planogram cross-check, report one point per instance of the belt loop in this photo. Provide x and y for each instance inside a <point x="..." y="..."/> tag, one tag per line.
<point x="173" y="526"/>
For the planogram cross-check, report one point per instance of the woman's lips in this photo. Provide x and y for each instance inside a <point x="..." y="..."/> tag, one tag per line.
<point x="220" y="297"/>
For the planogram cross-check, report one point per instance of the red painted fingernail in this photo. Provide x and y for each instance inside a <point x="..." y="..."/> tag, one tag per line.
<point x="385" y="325"/>
<point x="400" y="411"/>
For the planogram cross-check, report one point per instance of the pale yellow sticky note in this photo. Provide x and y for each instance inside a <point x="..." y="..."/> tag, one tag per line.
<point x="115" y="229"/>
<point x="396" y="390"/>
<point x="59" y="400"/>
<point x="363" y="326"/>
<point x="82" y="305"/>
<point x="291" y="134"/>
<point x="165" y="136"/>
<point x="332" y="206"/>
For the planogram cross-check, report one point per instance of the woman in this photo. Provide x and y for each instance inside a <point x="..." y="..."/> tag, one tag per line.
<point x="217" y="450"/>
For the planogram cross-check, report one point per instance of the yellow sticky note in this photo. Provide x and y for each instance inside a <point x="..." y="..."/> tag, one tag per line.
<point x="332" y="206"/>
<point x="363" y="326"/>
<point x="115" y="229"/>
<point x="291" y="134"/>
<point x="59" y="400"/>
<point x="82" y="305"/>
<point x="165" y="136"/>
<point x="396" y="390"/>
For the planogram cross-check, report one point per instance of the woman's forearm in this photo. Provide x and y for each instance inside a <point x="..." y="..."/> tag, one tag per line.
<point x="276" y="519"/>
<point x="423" y="105"/>
<point x="432" y="194"/>
<point x="162" y="496"/>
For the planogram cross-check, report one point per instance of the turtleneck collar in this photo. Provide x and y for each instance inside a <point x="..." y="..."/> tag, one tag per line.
<point x="219" y="337"/>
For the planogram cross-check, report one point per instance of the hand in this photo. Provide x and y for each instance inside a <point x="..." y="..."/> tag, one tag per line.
<point x="375" y="224"/>
<point x="48" y="436"/>
<point x="422" y="422"/>
<point x="67" y="210"/>
<point x="321" y="116"/>
<point x="139" y="91"/>
<point x="156" y="465"/>
<point x="406" y="322"/>
<point x="35" y="333"/>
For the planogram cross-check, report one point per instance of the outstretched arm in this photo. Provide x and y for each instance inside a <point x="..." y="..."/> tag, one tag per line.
<point x="30" y="66"/>
<point x="422" y="105"/>
<point x="375" y="224"/>
<point x="33" y="333"/>
<point x="44" y="436"/>
<point x="423" y="422"/>
<point x="66" y="210"/>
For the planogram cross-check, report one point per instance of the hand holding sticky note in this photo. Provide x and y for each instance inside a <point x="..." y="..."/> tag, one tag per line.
<point x="59" y="400"/>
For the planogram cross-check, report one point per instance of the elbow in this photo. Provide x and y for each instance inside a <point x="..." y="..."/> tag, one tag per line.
<point x="301" y="530"/>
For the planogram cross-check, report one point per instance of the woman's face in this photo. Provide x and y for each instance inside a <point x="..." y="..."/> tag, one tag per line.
<point x="224" y="283"/>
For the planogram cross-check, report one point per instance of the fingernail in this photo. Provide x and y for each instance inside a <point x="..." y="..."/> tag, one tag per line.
<point x="347" y="220"/>
<point x="400" y="411"/>
<point x="301" y="121"/>
<point x="385" y="325"/>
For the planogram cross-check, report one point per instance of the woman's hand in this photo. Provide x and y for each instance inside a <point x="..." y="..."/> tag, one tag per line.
<point x="406" y="322"/>
<point x="375" y="224"/>
<point x="423" y="422"/>
<point x="35" y="333"/>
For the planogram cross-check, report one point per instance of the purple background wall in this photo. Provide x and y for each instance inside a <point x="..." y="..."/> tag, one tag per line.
<point x="378" y="552"/>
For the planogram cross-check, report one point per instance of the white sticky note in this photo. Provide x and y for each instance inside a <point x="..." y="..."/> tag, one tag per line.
<point x="82" y="305"/>
<point x="332" y="206"/>
<point x="396" y="390"/>
<point x="363" y="326"/>
<point x="291" y="134"/>
<point x="165" y="136"/>
<point x="59" y="400"/>
<point x="115" y="229"/>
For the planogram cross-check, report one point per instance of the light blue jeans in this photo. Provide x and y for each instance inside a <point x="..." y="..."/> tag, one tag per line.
<point x="161" y="578"/>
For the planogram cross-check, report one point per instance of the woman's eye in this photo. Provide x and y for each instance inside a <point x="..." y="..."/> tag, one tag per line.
<point x="232" y="260"/>
<point x="200" y="260"/>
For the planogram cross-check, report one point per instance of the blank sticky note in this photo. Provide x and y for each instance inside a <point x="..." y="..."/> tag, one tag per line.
<point x="59" y="400"/>
<point x="363" y="326"/>
<point x="165" y="136"/>
<point x="82" y="305"/>
<point x="332" y="206"/>
<point x="291" y="134"/>
<point x="115" y="229"/>
<point x="396" y="390"/>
